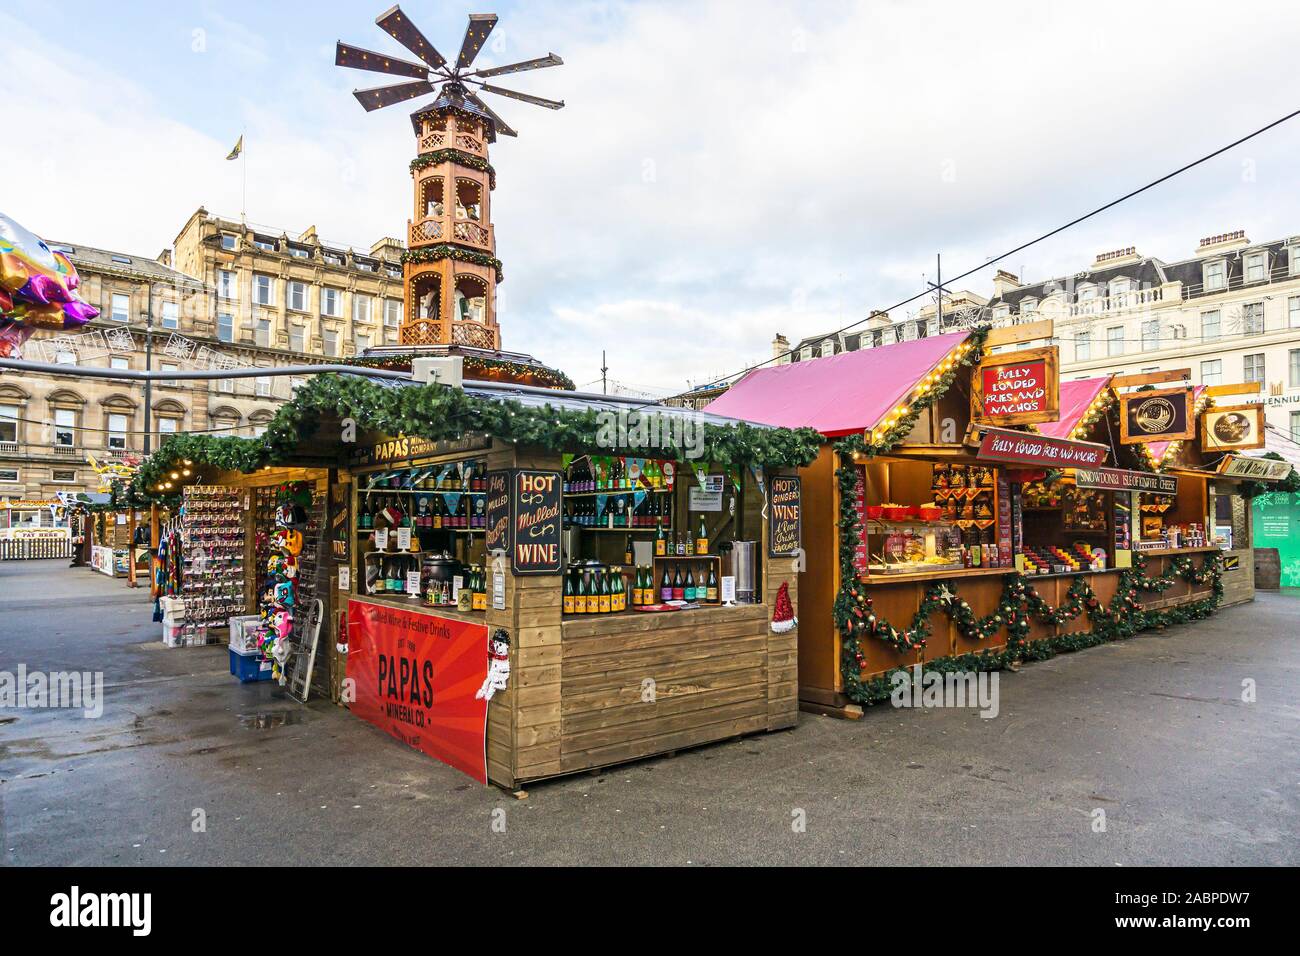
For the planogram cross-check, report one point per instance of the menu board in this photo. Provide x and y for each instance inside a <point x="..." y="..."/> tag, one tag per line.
<point x="1017" y="388"/>
<point x="1004" y="519"/>
<point x="1156" y="415"/>
<point x="535" y="522"/>
<point x="785" y="516"/>
<point x="498" y="511"/>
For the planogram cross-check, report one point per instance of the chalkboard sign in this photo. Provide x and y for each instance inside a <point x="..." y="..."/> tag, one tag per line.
<point x="498" y="511"/>
<point x="785" y="517"/>
<point x="340" y="519"/>
<point x="535" y="522"/>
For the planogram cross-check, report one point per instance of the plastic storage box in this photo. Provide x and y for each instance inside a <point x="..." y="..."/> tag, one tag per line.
<point x="249" y="667"/>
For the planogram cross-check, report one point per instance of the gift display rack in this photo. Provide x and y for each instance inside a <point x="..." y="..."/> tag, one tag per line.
<point x="213" y="558"/>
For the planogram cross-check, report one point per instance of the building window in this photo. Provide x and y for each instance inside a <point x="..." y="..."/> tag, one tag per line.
<point x="1086" y="292"/>
<point x="297" y="338"/>
<point x="226" y="327"/>
<point x="9" y="424"/>
<point x="266" y="245"/>
<point x="64" y="476"/>
<point x="1082" y="346"/>
<point x="329" y="302"/>
<point x="263" y="290"/>
<point x="226" y="385"/>
<point x="1293" y="365"/>
<point x="117" y="432"/>
<point x="121" y="310"/>
<point x="1253" y="367"/>
<point x="262" y="386"/>
<point x="299" y="253"/>
<point x="1150" y="335"/>
<point x="1210" y="325"/>
<point x="171" y="315"/>
<point x="1252" y="318"/>
<point x="1028" y="306"/>
<point x="262" y="332"/>
<point x="393" y="313"/>
<point x="1293" y="312"/>
<point x="1119" y="286"/>
<point x="331" y="340"/>
<point x="1214" y="275"/>
<point x="119" y="363"/>
<point x="228" y="242"/>
<point x="1255" y="267"/>
<point x="1115" y="340"/>
<point x="65" y="427"/>
<point x="394" y="270"/>
<point x="11" y="474"/>
<point x="363" y="343"/>
<point x="1212" y="372"/>
<point x="360" y="308"/>
<point x="227" y="285"/>
<point x="65" y="357"/>
<point x="166" y="428"/>
<point x="1294" y="254"/>
<point x="1295" y="429"/>
<point x="298" y="296"/>
<point x="169" y="367"/>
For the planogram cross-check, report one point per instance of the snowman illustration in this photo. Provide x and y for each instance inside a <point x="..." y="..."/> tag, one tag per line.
<point x="498" y="674"/>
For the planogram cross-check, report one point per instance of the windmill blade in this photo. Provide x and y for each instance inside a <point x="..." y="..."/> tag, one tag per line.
<point x="358" y="59"/>
<point x="502" y="126"/>
<point x="395" y="24"/>
<point x="541" y="62"/>
<point x="476" y="34"/>
<point x="524" y="97"/>
<point x="381" y="96"/>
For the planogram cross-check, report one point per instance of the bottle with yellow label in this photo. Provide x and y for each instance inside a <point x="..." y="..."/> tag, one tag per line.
<point x="603" y="607"/>
<point x="702" y="539"/>
<point x="661" y="543"/>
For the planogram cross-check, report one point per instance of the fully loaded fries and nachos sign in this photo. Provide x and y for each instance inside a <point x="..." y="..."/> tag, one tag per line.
<point x="1023" y="448"/>
<point x="418" y="678"/>
<point x="1017" y="388"/>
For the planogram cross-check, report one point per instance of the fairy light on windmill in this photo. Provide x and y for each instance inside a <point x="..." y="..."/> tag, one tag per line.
<point x="450" y="268"/>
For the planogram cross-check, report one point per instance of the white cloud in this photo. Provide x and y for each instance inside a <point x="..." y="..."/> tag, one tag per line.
<point x="722" y="171"/>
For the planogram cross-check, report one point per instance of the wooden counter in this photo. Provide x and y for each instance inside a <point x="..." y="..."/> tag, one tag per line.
<point x="417" y="606"/>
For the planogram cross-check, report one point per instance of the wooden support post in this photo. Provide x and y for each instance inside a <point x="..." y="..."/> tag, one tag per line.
<point x="130" y="550"/>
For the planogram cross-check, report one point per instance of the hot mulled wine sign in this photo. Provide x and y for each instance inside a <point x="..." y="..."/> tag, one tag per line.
<point x="535" y="522"/>
<point x="1017" y="388"/>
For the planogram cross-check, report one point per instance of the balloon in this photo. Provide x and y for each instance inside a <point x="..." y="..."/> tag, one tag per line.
<point x="38" y="288"/>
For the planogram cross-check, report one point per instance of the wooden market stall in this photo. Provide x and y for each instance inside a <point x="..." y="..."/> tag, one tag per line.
<point x="455" y="561"/>
<point x="966" y="504"/>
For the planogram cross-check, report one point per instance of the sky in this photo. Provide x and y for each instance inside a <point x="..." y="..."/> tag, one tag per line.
<point x="722" y="171"/>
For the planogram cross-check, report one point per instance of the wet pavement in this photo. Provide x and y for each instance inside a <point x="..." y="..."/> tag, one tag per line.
<point x="188" y="766"/>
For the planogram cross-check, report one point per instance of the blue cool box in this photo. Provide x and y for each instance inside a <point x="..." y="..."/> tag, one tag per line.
<point x="249" y="667"/>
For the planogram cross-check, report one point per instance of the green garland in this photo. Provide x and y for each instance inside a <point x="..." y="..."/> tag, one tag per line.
<point x="437" y="412"/>
<point x="459" y="157"/>
<point x="545" y="376"/>
<point x="1019" y="606"/>
<point x="447" y="251"/>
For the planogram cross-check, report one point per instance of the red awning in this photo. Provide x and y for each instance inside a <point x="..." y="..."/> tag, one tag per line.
<point x="1076" y="398"/>
<point x="839" y="394"/>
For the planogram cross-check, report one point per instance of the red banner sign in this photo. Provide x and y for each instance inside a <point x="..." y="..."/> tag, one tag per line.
<point x="1023" y="448"/>
<point x="416" y="676"/>
<point x="1017" y="388"/>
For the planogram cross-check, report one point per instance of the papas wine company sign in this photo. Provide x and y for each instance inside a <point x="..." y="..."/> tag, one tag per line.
<point x="416" y="678"/>
<point x="1017" y="388"/>
<point x="785" y="516"/>
<point x="1156" y="415"/>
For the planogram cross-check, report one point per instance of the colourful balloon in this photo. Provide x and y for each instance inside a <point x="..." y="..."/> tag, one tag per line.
<point x="38" y="288"/>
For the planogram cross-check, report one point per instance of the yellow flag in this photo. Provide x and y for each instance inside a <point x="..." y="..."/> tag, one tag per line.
<point x="239" y="148"/>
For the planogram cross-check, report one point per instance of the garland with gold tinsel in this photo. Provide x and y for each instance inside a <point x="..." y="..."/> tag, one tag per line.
<point x="446" y="250"/>
<point x="460" y="158"/>
<point x="475" y="366"/>
<point x="437" y="412"/>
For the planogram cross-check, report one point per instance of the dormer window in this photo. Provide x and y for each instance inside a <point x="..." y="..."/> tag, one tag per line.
<point x="266" y="245"/>
<point x="1120" y="286"/>
<point x="1002" y="311"/>
<point x="828" y="347"/>
<point x="1255" y="266"/>
<point x="1028" y="306"/>
<point x="1214" y="275"/>
<point x="1294" y="253"/>
<point x="1086" y="292"/>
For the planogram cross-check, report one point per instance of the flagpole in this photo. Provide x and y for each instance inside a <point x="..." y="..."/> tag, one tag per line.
<point x="243" y="161"/>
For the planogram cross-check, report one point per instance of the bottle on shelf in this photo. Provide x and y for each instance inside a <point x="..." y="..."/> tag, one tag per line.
<point x="711" y="590"/>
<point x="604" y="592"/>
<point x="627" y="551"/>
<point x="580" y="597"/>
<point x="666" y="586"/>
<point x="618" y="592"/>
<point x="568" y="594"/>
<point x="661" y="544"/>
<point x="688" y="591"/>
<point x="702" y="539"/>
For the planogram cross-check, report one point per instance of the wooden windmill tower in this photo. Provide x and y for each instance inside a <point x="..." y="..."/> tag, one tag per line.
<point x="450" y="271"/>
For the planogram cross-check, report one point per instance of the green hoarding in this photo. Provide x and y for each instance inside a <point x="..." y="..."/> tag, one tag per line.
<point x="1277" y="525"/>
